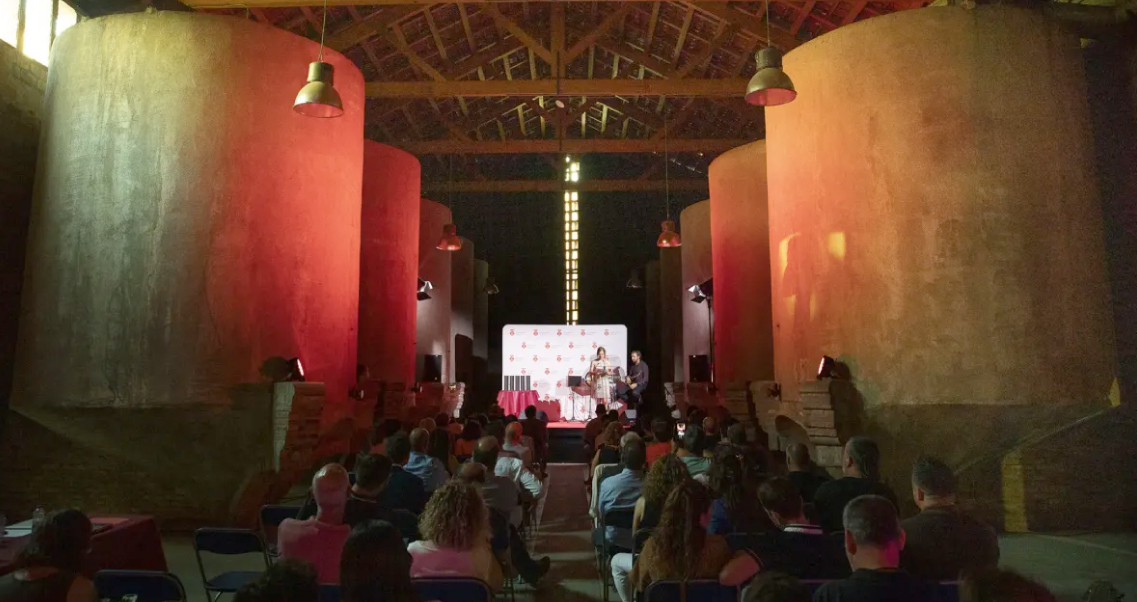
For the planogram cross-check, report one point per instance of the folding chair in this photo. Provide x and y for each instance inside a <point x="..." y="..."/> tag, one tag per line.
<point x="271" y="517"/>
<point x="639" y="540"/>
<point x="451" y="589"/>
<point x="699" y="590"/>
<point x="329" y="593"/>
<point x="148" y="586"/>
<point x="621" y="519"/>
<point x="227" y="542"/>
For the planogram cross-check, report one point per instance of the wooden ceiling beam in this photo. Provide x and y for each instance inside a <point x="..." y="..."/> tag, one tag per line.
<point x="374" y="24"/>
<point x="518" y="186"/>
<point x="519" y="32"/>
<point x="854" y="11"/>
<point x="549" y="87"/>
<point x="755" y="25"/>
<point x="417" y="61"/>
<point x="569" y="145"/>
<point x="602" y="29"/>
<point x="466" y="27"/>
<point x="802" y="15"/>
<point x="219" y="4"/>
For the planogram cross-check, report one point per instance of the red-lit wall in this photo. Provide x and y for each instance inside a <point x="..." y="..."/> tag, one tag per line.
<point x="462" y="312"/>
<point x="433" y="327"/>
<point x="388" y="263"/>
<point x="744" y="345"/>
<point x="696" y="251"/>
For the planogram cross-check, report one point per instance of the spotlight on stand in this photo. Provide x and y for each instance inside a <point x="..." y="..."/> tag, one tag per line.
<point x="634" y="281"/>
<point x="424" y="288"/>
<point x="702" y="291"/>
<point x="825" y="369"/>
<point x="491" y="286"/>
<point x="295" y="371"/>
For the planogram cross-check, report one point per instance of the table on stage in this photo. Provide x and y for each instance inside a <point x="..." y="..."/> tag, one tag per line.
<point x="515" y="402"/>
<point x="119" y="542"/>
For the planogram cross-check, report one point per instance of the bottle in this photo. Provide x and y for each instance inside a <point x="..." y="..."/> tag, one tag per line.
<point x="38" y="517"/>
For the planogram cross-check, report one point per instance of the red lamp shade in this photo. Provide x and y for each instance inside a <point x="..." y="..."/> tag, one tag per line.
<point x="449" y="240"/>
<point x="668" y="237"/>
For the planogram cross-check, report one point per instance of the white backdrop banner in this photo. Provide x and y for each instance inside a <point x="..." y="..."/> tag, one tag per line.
<point x="549" y="354"/>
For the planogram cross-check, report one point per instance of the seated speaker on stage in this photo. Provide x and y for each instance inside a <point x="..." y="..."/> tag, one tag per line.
<point x="634" y="385"/>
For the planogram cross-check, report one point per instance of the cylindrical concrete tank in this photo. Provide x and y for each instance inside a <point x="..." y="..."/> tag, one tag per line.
<point x="744" y="341"/>
<point x="671" y="364"/>
<point x="188" y="226"/>
<point x="481" y="310"/>
<point x="934" y="223"/>
<point x="462" y="312"/>
<point x="433" y="326"/>
<point x="695" y="223"/>
<point x="388" y="263"/>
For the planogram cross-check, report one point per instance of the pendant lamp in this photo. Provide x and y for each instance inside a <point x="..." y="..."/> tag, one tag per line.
<point x="318" y="98"/>
<point x="668" y="237"/>
<point x="770" y="86"/>
<point x="491" y="286"/>
<point x="634" y="281"/>
<point x="449" y="240"/>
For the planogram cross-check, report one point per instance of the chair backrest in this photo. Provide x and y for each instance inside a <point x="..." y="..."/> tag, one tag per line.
<point x="601" y="472"/>
<point x="407" y="523"/>
<point x="641" y="538"/>
<point x="619" y="517"/>
<point x="452" y="589"/>
<point x="814" y="584"/>
<point x="700" y="590"/>
<point x="227" y="541"/>
<point x="499" y="526"/>
<point x="329" y="593"/>
<point x="274" y="514"/>
<point x="148" y="586"/>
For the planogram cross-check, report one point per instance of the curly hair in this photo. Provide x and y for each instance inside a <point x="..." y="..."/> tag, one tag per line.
<point x="679" y="538"/>
<point x="455" y="516"/>
<point x="612" y="434"/>
<point x="667" y="473"/>
<point x="731" y="479"/>
<point x="60" y="542"/>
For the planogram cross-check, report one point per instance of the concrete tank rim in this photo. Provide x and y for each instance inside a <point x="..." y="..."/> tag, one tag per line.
<point x="736" y="150"/>
<point x="387" y="147"/>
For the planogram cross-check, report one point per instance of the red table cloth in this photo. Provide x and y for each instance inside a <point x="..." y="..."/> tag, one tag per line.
<point x="125" y="543"/>
<point x="515" y="402"/>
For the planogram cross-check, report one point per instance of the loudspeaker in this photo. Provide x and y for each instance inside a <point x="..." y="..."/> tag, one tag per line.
<point x="575" y="381"/>
<point x="432" y="368"/>
<point x="698" y="369"/>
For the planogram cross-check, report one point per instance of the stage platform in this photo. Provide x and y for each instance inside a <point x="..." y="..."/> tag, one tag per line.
<point x="566" y="443"/>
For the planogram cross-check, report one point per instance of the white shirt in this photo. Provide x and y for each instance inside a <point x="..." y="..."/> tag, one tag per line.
<point x="515" y="469"/>
<point x="522" y="452"/>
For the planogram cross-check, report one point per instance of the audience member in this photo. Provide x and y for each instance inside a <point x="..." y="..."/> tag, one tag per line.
<point x="472" y="472"/>
<point x="421" y="464"/>
<point x="501" y="495"/>
<point x="661" y="440"/>
<point x="680" y="547"/>
<point x="482" y="419"/>
<point x="622" y="491"/>
<point x="284" y="581"/>
<point x="755" y="456"/>
<point x="509" y="465"/>
<point x="464" y="445"/>
<point x="456" y="537"/>
<point x="799" y="547"/>
<point x="873" y="541"/>
<point x="607" y="446"/>
<point x="536" y="430"/>
<point x="319" y="540"/>
<point x="496" y="413"/>
<point x="994" y="585"/>
<point x="513" y="443"/>
<point x="454" y="427"/>
<point x="941" y="539"/>
<point x="427" y="424"/>
<point x="375" y="566"/>
<point x="711" y="430"/>
<point x="806" y="475"/>
<point x="48" y="568"/>
<point x="379" y="434"/>
<point x="775" y="587"/>
<point x="860" y="462"/>
<point x="371" y="474"/>
<point x="691" y="452"/>
<point x="439" y="448"/>
<point x="594" y="427"/>
<point x="496" y="429"/>
<point x="735" y="490"/>
<point x="404" y="490"/>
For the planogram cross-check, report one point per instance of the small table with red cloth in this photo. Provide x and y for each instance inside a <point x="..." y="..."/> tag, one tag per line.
<point x="120" y="542"/>
<point x="515" y="402"/>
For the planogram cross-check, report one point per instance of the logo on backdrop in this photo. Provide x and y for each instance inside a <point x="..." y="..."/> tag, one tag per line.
<point x="558" y="332"/>
<point x="582" y="358"/>
<point x="524" y="345"/>
<point x="535" y="333"/>
<point x="582" y="333"/>
<point x="511" y="358"/>
<point x="546" y="371"/>
<point x="546" y="344"/>
<point x="594" y="345"/>
<point x="559" y="385"/>
<point x="570" y="345"/>
<point x="523" y="372"/>
<point x="534" y="358"/>
<point x="511" y="333"/>
<point x="558" y="358"/>
<point x="605" y="332"/>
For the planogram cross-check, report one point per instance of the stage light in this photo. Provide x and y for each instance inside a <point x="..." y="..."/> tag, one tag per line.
<point x="449" y="240"/>
<point x="825" y="369"/>
<point x="318" y="97"/>
<point x="634" y="281"/>
<point x="702" y="291"/>
<point x="295" y="371"/>
<point x="424" y="288"/>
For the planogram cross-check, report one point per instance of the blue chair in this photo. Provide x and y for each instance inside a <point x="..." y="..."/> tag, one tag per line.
<point x="697" y="590"/>
<point x="148" y="586"/>
<point x="451" y="589"/>
<point x="227" y="542"/>
<point x="271" y="517"/>
<point x="329" y="593"/>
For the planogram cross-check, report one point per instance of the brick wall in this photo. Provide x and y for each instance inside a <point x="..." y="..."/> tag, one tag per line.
<point x="21" y="97"/>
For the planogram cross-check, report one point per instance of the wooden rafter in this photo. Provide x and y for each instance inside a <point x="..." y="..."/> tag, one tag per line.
<point x="371" y="25"/>
<point x="518" y="32"/>
<point x="570" y="145"/>
<point x="589" y="40"/>
<point x="207" y="4"/>
<point x="510" y="186"/>
<point x="854" y="11"/>
<point x="803" y="13"/>
<point x="549" y="87"/>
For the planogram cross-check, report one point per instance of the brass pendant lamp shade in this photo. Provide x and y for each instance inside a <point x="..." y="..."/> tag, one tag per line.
<point x="318" y="98"/>
<point x="668" y="237"/>
<point x="770" y="86"/>
<point x="491" y="287"/>
<point x="449" y="240"/>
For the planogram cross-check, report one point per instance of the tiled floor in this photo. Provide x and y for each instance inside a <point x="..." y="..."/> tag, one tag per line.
<point x="1066" y="563"/>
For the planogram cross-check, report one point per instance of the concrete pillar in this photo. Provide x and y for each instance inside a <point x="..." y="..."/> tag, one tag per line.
<point x="695" y="222"/>
<point x="388" y="265"/>
<point x="744" y="340"/>
<point x="462" y="312"/>
<point x="481" y="310"/>
<point x="189" y="233"/>
<point x="433" y="325"/>
<point x="671" y="361"/>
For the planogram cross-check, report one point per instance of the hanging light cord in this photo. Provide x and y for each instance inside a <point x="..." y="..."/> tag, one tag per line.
<point x="666" y="172"/>
<point x="324" y="28"/>
<point x="768" y="42"/>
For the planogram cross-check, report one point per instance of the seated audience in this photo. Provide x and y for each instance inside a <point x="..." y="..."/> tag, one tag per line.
<point x="860" y="462"/>
<point x="496" y="429"/>
<point x="594" y="427"/>
<point x="806" y="475"/>
<point x="799" y="547"/>
<point x="421" y="464"/>
<point x="404" y="490"/>
<point x="513" y="434"/>
<point x="711" y="430"/>
<point x="439" y="448"/>
<point x="873" y="540"/>
<point x="775" y="587"/>
<point x="680" y="547"/>
<point x="464" y="445"/>
<point x="735" y="491"/>
<point x="660" y="446"/>
<point x="607" y="446"/>
<point x="284" y="581"/>
<point x="48" y="568"/>
<point x="537" y="430"/>
<point x="994" y="585"/>
<point x="451" y="426"/>
<point x="375" y="565"/>
<point x="472" y="472"/>
<point x="941" y="539"/>
<point x="691" y="451"/>
<point x="371" y="474"/>
<point x="509" y="465"/>
<point x="456" y="537"/>
<point x="755" y="456"/>
<point x="501" y="494"/>
<point x="427" y="424"/>
<point x="622" y="491"/>
<point x="379" y="434"/>
<point x="319" y="540"/>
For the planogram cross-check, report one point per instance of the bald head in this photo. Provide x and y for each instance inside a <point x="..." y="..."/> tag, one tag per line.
<point x="797" y="457"/>
<point x="420" y="440"/>
<point x="485" y="453"/>
<point x="472" y="472"/>
<point x="710" y="426"/>
<point x="428" y="424"/>
<point x="513" y="432"/>
<point x="330" y="489"/>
